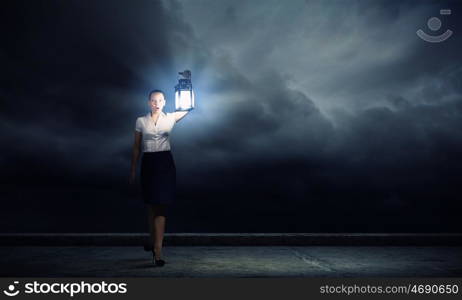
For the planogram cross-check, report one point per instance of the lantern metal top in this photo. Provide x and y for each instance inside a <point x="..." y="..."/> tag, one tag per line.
<point x="185" y="82"/>
<point x="186" y="74"/>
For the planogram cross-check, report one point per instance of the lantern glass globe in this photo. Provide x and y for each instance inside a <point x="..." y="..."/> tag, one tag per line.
<point x="184" y="100"/>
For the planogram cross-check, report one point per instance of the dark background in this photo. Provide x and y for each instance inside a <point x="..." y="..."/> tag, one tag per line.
<point x="312" y="116"/>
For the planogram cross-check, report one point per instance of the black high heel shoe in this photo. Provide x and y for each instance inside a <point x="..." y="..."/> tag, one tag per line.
<point x="158" y="262"/>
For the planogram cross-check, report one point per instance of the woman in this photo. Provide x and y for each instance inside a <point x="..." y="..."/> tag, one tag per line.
<point x="158" y="173"/>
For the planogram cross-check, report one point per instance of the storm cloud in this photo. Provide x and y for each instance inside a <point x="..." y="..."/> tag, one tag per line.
<point x="330" y="115"/>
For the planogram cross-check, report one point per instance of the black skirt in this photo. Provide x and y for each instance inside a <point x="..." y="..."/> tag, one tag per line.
<point x="158" y="177"/>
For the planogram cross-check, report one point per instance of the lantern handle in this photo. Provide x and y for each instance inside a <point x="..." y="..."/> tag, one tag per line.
<point x="186" y="74"/>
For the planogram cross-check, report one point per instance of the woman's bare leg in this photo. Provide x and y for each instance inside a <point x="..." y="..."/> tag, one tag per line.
<point x="157" y="228"/>
<point x="160" y="229"/>
<point x="151" y="225"/>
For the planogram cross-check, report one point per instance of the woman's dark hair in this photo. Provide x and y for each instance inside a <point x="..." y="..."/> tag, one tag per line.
<point x="155" y="91"/>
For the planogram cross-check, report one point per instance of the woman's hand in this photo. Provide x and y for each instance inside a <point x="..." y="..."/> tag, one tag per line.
<point x="132" y="178"/>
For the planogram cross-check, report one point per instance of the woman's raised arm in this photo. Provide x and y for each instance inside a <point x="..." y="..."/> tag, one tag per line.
<point x="180" y="115"/>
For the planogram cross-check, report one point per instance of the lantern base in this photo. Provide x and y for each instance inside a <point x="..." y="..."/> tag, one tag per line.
<point x="184" y="109"/>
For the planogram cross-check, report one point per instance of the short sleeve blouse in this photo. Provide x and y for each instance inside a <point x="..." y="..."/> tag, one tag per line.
<point x="155" y="137"/>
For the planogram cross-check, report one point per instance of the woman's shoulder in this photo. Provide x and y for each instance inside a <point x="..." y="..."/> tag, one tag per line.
<point x="142" y="117"/>
<point x="140" y="122"/>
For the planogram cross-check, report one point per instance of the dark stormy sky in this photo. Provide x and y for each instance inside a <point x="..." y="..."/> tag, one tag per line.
<point x="312" y="116"/>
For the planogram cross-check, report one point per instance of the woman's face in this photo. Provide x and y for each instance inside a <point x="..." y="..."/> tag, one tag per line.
<point x="157" y="102"/>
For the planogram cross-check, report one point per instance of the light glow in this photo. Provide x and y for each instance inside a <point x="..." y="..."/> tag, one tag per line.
<point x="184" y="100"/>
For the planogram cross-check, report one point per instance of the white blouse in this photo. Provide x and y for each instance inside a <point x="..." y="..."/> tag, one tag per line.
<point x="155" y="137"/>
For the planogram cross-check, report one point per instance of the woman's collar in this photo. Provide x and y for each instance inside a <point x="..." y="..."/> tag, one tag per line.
<point x="161" y="114"/>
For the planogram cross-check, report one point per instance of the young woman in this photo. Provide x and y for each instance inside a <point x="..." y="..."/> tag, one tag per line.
<point x="158" y="172"/>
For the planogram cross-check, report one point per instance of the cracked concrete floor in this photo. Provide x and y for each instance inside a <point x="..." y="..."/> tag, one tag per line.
<point x="232" y="261"/>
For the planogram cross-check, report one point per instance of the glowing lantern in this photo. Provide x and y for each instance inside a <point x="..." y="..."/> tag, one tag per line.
<point x="184" y="95"/>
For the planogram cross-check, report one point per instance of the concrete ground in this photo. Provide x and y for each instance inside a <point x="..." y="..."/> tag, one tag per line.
<point x="232" y="261"/>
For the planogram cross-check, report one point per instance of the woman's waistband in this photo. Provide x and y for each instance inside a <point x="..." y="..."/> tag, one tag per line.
<point x="150" y="153"/>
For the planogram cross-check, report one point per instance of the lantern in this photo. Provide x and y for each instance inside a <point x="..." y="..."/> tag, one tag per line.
<point x="184" y="95"/>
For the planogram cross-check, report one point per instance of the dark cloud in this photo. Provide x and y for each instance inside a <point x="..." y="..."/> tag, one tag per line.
<point x="301" y="108"/>
<point x="74" y="74"/>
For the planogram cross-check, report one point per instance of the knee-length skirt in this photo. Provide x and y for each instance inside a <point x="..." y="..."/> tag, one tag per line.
<point x="158" y="177"/>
